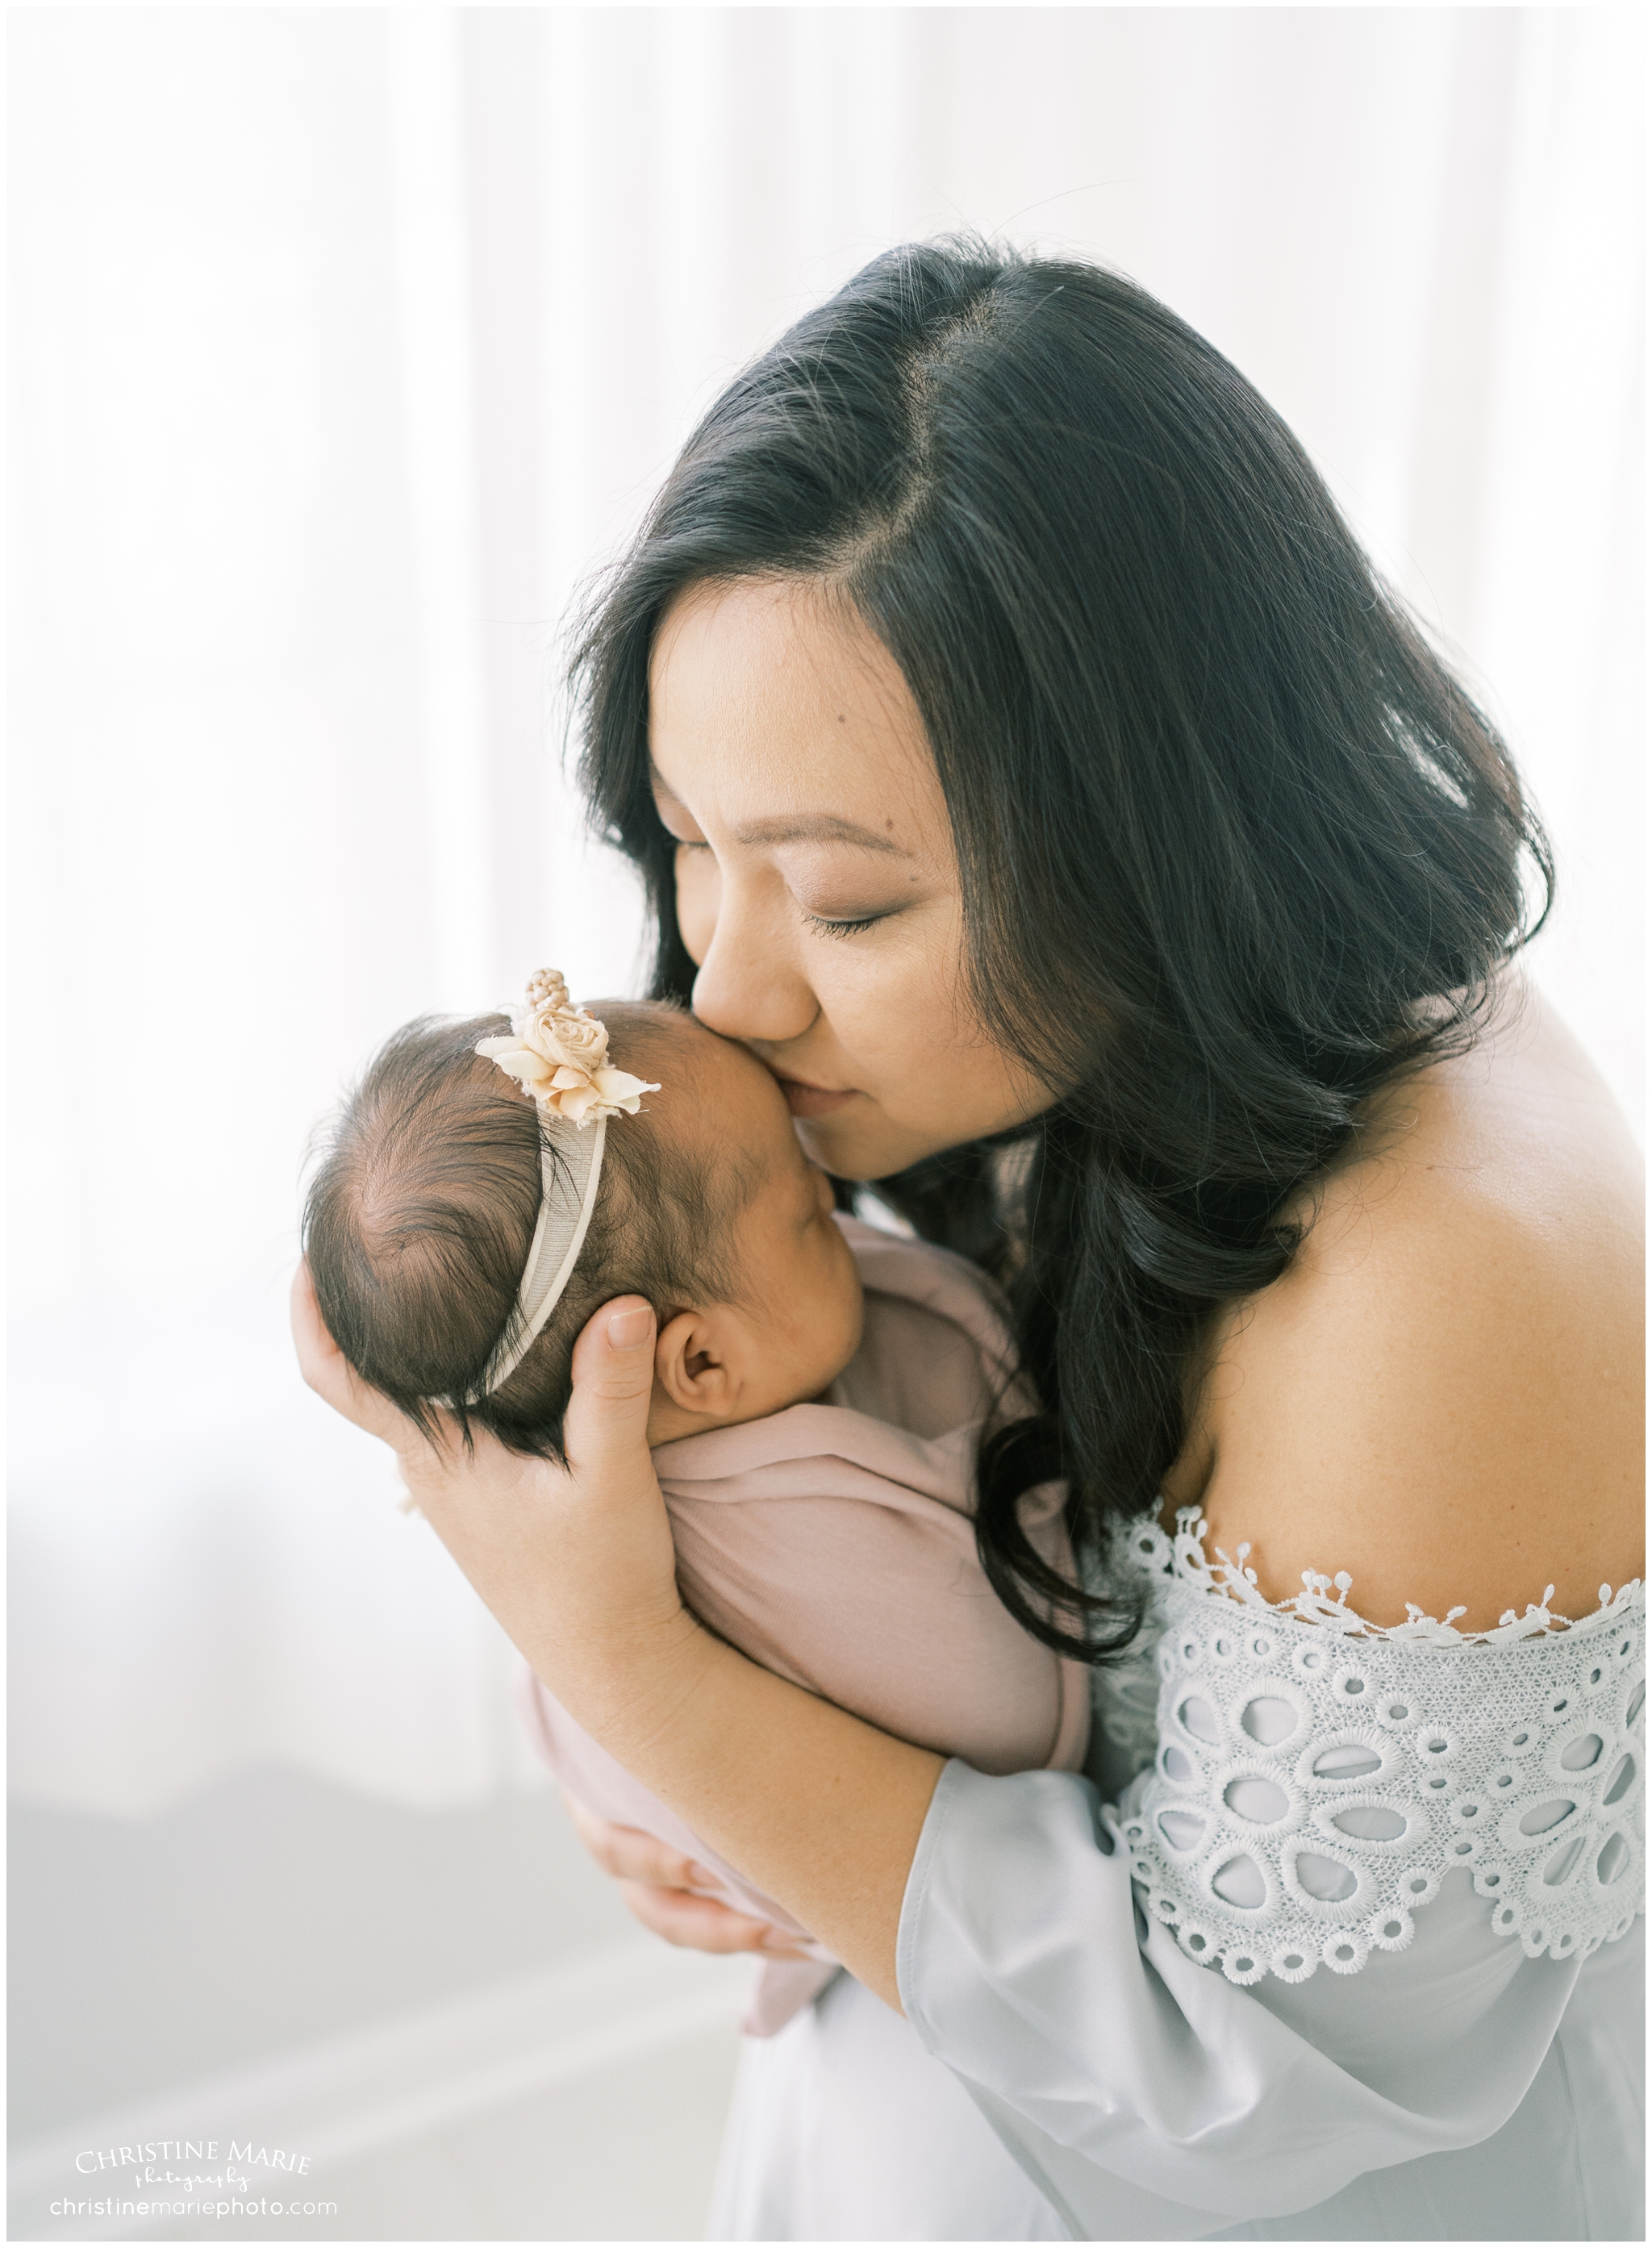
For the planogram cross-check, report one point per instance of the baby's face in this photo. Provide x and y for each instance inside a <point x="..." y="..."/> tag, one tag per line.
<point x="795" y="1322"/>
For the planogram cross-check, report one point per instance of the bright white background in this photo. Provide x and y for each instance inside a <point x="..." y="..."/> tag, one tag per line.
<point x="346" y="340"/>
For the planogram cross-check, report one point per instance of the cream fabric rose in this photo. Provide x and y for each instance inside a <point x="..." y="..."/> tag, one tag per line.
<point x="558" y="1055"/>
<point x="570" y="1034"/>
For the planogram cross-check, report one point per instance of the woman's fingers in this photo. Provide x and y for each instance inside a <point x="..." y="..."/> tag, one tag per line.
<point x="324" y="1367"/>
<point x="697" y="1923"/>
<point x="630" y="1856"/>
<point x="659" y="1884"/>
<point x="427" y="1469"/>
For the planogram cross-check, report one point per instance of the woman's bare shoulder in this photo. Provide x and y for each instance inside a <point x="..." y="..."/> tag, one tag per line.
<point x="1443" y="1394"/>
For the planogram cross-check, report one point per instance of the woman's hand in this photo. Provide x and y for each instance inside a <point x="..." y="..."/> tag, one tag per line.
<point x="579" y="1567"/>
<point x="666" y="1892"/>
<point x="325" y="1366"/>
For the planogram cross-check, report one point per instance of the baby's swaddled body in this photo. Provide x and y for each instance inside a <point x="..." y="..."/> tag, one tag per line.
<point x="834" y="1543"/>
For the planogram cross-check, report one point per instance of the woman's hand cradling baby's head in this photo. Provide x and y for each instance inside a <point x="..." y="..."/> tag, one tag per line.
<point x="326" y="1370"/>
<point x="577" y="1563"/>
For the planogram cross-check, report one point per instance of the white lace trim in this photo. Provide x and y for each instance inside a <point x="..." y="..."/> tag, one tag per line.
<point x="1317" y="1776"/>
<point x="1184" y="1556"/>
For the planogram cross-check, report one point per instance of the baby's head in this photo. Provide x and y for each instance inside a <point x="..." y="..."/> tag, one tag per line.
<point x="420" y="1217"/>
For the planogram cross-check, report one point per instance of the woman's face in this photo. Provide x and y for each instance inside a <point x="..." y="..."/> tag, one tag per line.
<point x="817" y="885"/>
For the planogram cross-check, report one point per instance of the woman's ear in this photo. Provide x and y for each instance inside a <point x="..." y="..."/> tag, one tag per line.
<point x="688" y="1367"/>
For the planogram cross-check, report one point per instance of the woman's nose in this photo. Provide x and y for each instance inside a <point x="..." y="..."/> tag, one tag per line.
<point x="748" y="987"/>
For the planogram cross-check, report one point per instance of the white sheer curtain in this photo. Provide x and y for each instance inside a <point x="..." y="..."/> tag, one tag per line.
<point x="347" y="341"/>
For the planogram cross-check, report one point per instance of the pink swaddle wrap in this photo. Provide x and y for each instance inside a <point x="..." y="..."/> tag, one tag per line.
<point x="834" y="1545"/>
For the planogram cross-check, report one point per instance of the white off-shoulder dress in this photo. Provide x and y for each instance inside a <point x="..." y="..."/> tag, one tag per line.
<point x="1340" y="1940"/>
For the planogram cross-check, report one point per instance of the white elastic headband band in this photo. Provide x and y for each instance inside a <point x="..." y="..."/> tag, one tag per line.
<point x="570" y="1172"/>
<point x="558" y="1055"/>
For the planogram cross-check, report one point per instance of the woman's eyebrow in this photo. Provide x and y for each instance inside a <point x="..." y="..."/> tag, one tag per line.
<point x="785" y="827"/>
<point x="817" y="827"/>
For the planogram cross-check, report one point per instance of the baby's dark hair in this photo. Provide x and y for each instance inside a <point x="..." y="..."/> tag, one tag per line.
<point x="418" y="1220"/>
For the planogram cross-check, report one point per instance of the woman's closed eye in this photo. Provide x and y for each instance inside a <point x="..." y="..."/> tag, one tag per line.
<point x="848" y="924"/>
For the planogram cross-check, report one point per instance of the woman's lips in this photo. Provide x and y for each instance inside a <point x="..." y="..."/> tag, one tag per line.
<point x="811" y="1100"/>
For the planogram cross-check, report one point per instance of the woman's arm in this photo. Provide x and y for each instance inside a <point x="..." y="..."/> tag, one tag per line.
<point x="818" y="1809"/>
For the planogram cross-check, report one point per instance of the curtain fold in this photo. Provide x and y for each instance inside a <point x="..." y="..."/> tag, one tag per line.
<point x="347" y="344"/>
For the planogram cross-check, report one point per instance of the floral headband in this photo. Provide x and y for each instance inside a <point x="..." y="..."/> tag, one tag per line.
<point x="558" y="1055"/>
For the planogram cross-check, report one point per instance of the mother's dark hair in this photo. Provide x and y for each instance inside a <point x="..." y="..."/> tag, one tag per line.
<point x="1235" y="847"/>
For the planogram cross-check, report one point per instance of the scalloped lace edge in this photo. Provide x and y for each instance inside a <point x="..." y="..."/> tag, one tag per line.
<point x="1292" y="1944"/>
<point x="1183" y="1558"/>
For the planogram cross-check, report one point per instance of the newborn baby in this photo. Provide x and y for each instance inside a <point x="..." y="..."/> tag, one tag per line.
<point x="819" y="1386"/>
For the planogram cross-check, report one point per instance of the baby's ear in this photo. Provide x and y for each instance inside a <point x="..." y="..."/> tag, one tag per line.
<point x="687" y="1365"/>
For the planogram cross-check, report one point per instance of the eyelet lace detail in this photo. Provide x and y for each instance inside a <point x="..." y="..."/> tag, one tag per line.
<point x="1315" y="1777"/>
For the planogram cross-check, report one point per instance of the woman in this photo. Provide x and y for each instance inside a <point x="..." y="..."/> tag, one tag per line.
<point x="1025" y="762"/>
